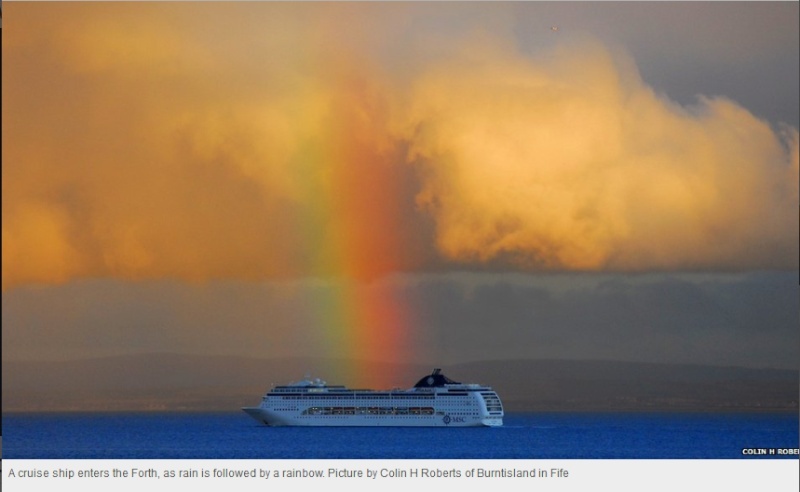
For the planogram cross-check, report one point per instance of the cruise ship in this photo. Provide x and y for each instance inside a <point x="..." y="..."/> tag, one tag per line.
<point x="435" y="401"/>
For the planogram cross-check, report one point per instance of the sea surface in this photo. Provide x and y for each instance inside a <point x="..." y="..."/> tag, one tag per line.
<point x="524" y="436"/>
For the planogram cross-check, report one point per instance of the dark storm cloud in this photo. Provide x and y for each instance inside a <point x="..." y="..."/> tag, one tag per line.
<point x="728" y="320"/>
<point x="742" y="320"/>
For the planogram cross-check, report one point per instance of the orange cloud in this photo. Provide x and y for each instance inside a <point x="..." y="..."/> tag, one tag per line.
<point x="250" y="141"/>
<point x="571" y="161"/>
<point x="144" y="147"/>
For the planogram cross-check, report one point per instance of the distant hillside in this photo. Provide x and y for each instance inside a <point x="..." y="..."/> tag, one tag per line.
<point x="553" y="385"/>
<point x="168" y="381"/>
<point x="196" y="383"/>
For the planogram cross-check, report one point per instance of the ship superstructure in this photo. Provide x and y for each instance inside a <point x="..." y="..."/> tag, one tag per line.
<point x="435" y="401"/>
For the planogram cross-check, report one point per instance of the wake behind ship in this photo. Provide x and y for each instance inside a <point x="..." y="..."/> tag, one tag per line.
<point x="435" y="401"/>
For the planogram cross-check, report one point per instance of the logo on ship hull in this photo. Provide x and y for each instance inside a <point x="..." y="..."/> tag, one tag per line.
<point x="456" y="420"/>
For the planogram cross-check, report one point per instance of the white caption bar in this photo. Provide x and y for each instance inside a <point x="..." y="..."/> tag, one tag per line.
<point x="400" y="475"/>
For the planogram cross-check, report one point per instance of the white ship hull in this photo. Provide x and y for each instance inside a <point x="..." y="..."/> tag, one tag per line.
<point x="274" y="419"/>
<point x="435" y="401"/>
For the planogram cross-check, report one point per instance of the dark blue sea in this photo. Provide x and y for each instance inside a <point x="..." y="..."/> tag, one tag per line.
<point x="524" y="436"/>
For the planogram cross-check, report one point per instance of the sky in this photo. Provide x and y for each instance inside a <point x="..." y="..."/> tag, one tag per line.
<point x="426" y="182"/>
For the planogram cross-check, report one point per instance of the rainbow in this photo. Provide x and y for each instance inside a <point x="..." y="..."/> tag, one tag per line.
<point x="351" y="232"/>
